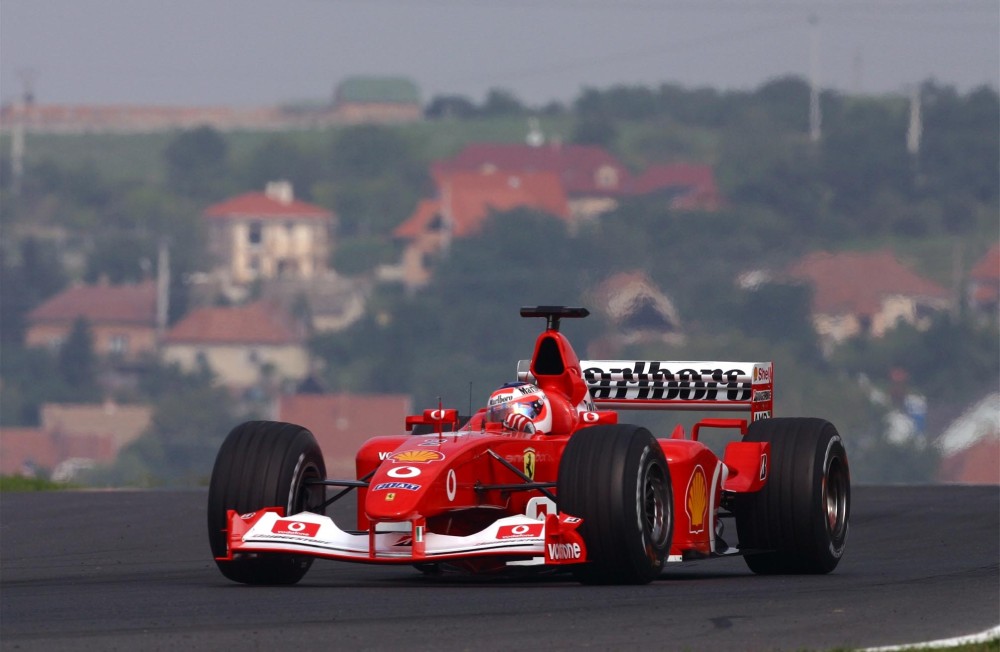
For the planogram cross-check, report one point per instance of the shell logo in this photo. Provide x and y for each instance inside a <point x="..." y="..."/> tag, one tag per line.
<point x="419" y="457"/>
<point x="696" y="503"/>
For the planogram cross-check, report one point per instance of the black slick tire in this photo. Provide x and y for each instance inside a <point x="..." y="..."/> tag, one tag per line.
<point x="798" y="523"/>
<point x="616" y="479"/>
<point x="263" y="464"/>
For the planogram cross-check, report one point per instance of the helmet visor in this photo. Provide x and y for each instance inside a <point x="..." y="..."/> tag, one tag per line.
<point x="530" y="409"/>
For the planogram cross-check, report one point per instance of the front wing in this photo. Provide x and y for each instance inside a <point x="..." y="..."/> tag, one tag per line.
<point x="553" y="541"/>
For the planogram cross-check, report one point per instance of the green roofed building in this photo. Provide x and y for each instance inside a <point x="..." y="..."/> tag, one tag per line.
<point x="377" y="99"/>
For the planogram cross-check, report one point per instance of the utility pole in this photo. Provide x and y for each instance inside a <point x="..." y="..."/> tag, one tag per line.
<point x="814" y="113"/>
<point x="162" y="287"/>
<point x="916" y="128"/>
<point x="21" y="116"/>
<point x="914" y="134"/>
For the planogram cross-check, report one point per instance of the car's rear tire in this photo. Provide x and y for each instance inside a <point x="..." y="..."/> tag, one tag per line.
<point x="616" y="479"/>
<point x="798" y="523"/>
<point x="264" y="464"/>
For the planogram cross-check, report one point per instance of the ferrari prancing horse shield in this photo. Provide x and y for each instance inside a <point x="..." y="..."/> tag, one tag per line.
<point x="529" y="462"/>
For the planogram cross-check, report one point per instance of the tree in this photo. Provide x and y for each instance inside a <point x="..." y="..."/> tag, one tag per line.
<point x="77" y="363"/>
<point x="961" y="137"/>
<point x="786" y="100"/>
<point x="450" y="106"/>
<point x="279" y="157"/>
<point x="198" y="163"/>
<point x="501" y="102"/>
<point x="24" y="284"/>
<point x="595" y="129"/>
<point x="863" y="152"/>
<point x="29" y="378"/>
<point x="191" y="417"/>
<point x="120" y="258"/>
<point x="781" y="313"/>
<point x="377" y="179"/>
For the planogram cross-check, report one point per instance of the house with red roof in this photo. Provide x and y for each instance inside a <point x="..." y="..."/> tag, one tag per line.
<point x="268" y="235"/>
<point x="244" y="346"/>
<point x="37" y="452"/>
<point x="122" y="319"/>
<point x="342" y="422"/>
<point x="72" y="436"/>
<point x="866" y="293"/>
<point x="983" y="289"/>
<point x="970" y="446"/>
<point x="593" y="178"/>
<point x="685" y="186"/>
<point x="462" y="204"/>
<point x="638" y="310"/>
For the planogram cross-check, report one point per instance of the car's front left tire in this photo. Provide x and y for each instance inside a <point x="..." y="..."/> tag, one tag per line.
<point x="615" y="477"/>
<point x="264" y="464"/>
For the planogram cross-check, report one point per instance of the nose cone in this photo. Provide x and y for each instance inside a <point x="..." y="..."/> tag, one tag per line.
<point x="404" y="486"/>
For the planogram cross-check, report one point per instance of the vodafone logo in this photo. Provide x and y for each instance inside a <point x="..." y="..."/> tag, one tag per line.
<point x="560" y="551"/>
<point x="403" y="472"/>
<point x="526" y="531"/>
<point x="296" y="528"/>
<point x="590" y="417"/>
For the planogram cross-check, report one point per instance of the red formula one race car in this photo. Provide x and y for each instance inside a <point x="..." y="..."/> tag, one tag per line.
<point x="545" y="477"/>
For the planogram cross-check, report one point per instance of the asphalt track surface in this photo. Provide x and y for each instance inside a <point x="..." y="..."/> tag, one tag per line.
<point x="132" y="571"/>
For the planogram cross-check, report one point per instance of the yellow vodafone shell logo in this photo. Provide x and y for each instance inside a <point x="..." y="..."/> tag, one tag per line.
<point x="420" y="457"/>
<point x="696" y="504"/>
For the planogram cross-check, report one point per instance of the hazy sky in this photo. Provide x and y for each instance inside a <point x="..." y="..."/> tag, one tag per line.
<point x="263" y="52"/>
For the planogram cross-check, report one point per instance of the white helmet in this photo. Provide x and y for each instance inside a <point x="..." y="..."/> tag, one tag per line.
<point x="520" y="406"/>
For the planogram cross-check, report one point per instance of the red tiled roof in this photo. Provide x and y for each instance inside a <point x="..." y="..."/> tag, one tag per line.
<point x="469" y="197"/>
<point x="259" y="205"/>
<point x="977" y="464"/>
<point x="119" y="304"/>
<point x="254" y="323"/>
<point x="576" y="165"/>
<point x="421" y="218"/>
<point x="23" y="447"/>
<point x="673" y="175"/>
<point x="857" y="282"/>
<point x="988" y="267"/>
<point x="343" y="422"/>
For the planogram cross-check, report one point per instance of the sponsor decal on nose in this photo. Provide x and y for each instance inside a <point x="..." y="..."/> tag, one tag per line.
<point x="295" y="528"/>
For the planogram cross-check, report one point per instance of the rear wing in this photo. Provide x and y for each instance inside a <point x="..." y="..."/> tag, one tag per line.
<point x="677" y="385"/>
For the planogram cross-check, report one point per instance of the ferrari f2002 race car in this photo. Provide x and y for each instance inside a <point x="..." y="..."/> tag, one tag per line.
<point x="547" y="478"/>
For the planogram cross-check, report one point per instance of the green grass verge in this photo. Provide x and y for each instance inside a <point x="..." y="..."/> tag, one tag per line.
<point x="21" y="483"/>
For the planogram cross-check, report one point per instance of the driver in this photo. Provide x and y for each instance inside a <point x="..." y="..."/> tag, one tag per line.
<point x="521" y="407"/>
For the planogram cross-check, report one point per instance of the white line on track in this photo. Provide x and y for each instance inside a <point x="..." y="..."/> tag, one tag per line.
<point x="981" y="637"/>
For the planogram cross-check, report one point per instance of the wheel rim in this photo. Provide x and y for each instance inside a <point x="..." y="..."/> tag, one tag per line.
<point x="835" y="496"/>
<point x="656" y="507"/>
